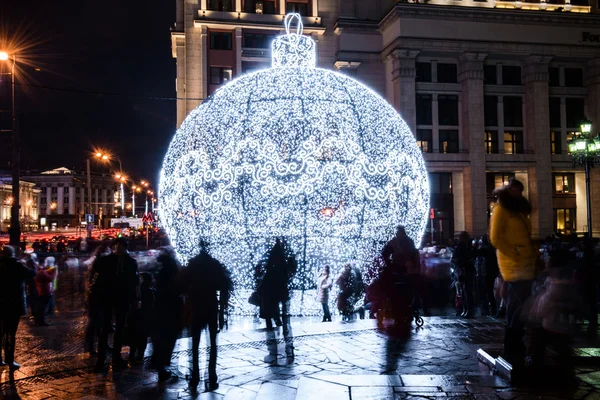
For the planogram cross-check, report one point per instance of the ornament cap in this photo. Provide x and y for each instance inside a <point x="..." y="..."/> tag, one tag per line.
<point x="293" y="49"/>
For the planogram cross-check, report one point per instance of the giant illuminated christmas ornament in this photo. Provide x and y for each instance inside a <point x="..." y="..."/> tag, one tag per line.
<point x="297" y="152"/>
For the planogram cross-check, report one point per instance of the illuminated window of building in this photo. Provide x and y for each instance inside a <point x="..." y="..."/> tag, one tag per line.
<point x="219" y="75"/>
<point x="221" y="40"/>
<point x="297" y="6"/>
<point x="513" y="142"/>
<point x="564" y="183"/>
<point x="555" y="142"/>
<point x="564" y="220"/>
<point x="424" y="140"/>
<point x="448" y="140"/>
<point x="498" y="180"/>
<point x="491" y="142"/>
<point x="423" y="72"/>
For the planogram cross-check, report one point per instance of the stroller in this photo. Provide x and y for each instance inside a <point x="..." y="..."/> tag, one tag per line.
<point x="392" y="298"/>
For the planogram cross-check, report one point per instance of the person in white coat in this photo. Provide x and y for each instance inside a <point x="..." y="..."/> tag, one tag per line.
<point x="324" y="283"/>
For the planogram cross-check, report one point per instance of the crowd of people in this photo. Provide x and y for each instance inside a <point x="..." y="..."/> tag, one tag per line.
<point x="502" y="274"/>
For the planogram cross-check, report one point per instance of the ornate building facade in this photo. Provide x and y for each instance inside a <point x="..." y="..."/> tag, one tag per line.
<point x="490" y="89"/>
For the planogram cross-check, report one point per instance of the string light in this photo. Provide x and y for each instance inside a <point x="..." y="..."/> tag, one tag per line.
<point x="298" y="152"/>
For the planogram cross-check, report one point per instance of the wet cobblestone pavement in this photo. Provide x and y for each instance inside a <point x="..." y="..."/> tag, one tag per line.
<point x="333" y="361"/>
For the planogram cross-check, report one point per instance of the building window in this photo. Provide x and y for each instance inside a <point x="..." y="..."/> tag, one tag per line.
<point x="490" y="75"/>
<point x="219" y="76"/>
<point x="491" y="142"/>
<point x="564" y="220"/>
<point x="248" y="66"/>
<point x="513" y="142"/>
<point x="555" y="142"/>
<point x="259" y="6"/>
<point x="554" y="112"/>
<point x="43" y="200"/>
<point x="54" y="190"/>
<point x="440" y="183"/>
<point x="424" y="113"/>
<point x="553" y="76"/>
<point x="424" y="140"/>
<point x="220" y="5"/>
<point x="497" y="181"/>
<point x="299" y="7"/>
<point x="257" y="40"/>
<point x="423" y="72"/>
<point x="564" y="183"/>
<point x="573" y="77"/>
<point x="575" y="111"/>
<point x="490" y="110"/>
<point x="446" y="73"/>
<point x="448" y="140"/>
<point x="447" y="109"/>
<point x="511" y="75"/>
<point x="66" y="200"/>
<point x="513" y="111"/>
<point x="221" y="40"/>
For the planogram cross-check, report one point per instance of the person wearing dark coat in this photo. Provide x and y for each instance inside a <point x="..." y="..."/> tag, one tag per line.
<point x="12" y="300"/>
<point x="168" y="313"/>
<point x="117" y="288"/>
<point x="202" y="279"/>
<point x="463" y="259"/>
<point x="487" y="255"/>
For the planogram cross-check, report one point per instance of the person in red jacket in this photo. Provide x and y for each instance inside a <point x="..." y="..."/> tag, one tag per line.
<point x="44" y="282"/>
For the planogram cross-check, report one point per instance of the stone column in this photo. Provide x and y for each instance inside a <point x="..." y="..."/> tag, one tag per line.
<point x="537" y="137"/>
<point x="472" y="136"/>
<point x="195" y="57"/>
<point x="282" y="7"/>
<point x="238" y="50"/>
<point x="48" y="199"/>
<point x="71" y="200"/>
<point x="403" y="82"/>
<point x="315" y="9"/>
<point x="59" y="200"/>
<point x="592" y="110"/>
<point x="238" y="6"/>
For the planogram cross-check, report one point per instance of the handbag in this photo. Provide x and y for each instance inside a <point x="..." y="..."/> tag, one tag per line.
<point x="254" y="299"/>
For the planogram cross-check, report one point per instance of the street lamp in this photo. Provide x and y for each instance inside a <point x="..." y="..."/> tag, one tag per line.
<point x="108" y="157"/>
<point x="15" y="229"/>
<point x="585" y="149"/>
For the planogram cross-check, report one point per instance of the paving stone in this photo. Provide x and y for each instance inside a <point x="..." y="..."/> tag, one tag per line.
<point x="362" y="380"/>
<point x="240" y="394"/>
<point x="274" y="391"/>
<point x="310" y="389"/>
<point x="430" y="380"/>
<point x="372" y="393"/>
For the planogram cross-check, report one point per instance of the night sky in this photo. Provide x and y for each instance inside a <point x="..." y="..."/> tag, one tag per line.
<point x="93" y="48"/>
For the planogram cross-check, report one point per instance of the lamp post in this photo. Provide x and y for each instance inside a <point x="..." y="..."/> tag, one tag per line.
<point x="585" y="149"/>
<point x="122" y="179"/>
<point x="15" y="229"/>
<point x="107" y="157"/>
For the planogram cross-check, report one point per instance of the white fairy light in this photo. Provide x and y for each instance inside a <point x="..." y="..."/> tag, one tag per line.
<point x="298" y="152"/>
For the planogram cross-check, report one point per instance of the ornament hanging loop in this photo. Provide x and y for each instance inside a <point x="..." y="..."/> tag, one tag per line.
<point x="289" y="18"/>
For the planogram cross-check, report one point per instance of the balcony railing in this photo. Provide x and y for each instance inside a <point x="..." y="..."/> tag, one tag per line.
<point x="256" y="53"/>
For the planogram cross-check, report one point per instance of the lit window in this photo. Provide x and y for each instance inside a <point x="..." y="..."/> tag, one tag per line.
<point x="564" y="183"/>
<point x="491" y="142"/>
<point x="513" y="142"/>
<point x="564" y="220"/>
<point x="555" y="142"/>
<point x="448" y="140"/>
<point x="424" y="140"/>
<point x="219" y="76"/>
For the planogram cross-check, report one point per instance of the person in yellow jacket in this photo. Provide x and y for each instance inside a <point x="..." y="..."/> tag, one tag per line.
<point x="510" y="233"/>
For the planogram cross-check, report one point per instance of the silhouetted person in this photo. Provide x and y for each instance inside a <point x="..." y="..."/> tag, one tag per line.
<point x="202" y="279"/>
<point x="345" y="284"/>
<point x="94" y="299"/>
<point x="118" y="289"/>
<point x="45" y="287"/>
<point x="12" y="301"/>
<point x="463" y="259"/>
<point x="168" y="312"/>
<point x="487" y="255"/>
<point x="30" y="287"/>
<point x="324" y="284"/>
<point x="510" y="233"/>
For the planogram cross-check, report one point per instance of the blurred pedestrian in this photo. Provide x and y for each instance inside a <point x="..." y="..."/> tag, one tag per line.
<point x="510" y="234"/>
<point x="94" y="299"/>
<point x="50" y="262"/>
<point x="168" y="313"/>
<point x="273" y="288"/>
<point x="345" y="283"/>
<point x="204" y="279"/>
<point x="31" y="261"/>
<point x="463" y="260"/>
<point x="489" y="271"/>
<point x="324" y="284"/>
<point x="12" y="300"/>
<point x="45" y="288"/>
<point x="117" y="287"/>
<point x="142" y="320"/>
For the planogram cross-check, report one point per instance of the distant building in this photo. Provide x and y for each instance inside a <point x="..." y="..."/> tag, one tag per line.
<point x="28" y="200"/>
<point x="491" y="89"/>
<point x="63" y="196"/>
